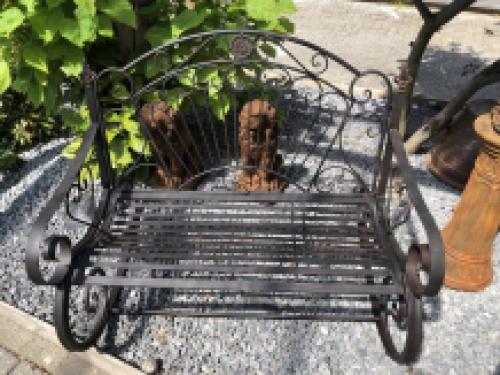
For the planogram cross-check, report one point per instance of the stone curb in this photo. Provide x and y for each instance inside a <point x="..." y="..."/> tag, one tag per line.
<point x="35" y="341"/>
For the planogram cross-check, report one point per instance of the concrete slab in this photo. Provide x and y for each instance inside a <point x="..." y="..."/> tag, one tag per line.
<point x="7" y="361"/>
<point x="36" y="341"/>
<point x="25" y="369"/>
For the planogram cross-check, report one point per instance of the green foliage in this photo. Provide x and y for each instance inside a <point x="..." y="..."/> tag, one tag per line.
<point x="42" y="44"/>
<point x="21" y="126"/>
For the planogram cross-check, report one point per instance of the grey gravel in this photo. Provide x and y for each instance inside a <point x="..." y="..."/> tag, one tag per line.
<point x="462" y="331"/>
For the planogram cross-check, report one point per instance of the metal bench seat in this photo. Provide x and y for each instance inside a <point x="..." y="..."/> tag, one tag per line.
<point x="201" y="234"/>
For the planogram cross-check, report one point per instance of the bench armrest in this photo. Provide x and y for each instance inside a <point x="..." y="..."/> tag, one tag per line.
<point x="40" y="224"/>
<point x="436" y="249"/>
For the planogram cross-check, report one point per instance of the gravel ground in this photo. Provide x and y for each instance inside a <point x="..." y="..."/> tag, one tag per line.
<point x="462" y="336"/>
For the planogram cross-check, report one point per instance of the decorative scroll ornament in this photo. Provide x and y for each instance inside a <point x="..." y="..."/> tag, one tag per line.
<point x="241" y="47"/>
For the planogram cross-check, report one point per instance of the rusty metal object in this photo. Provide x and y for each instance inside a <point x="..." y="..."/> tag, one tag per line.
<point x="452" y="158"/>
<point x="171" y="146"/>
<point x="468" y="237"/>
<point x="258" y="138"/>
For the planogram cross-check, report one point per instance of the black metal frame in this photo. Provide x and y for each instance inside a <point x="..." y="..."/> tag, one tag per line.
<point x="179" y="225"/>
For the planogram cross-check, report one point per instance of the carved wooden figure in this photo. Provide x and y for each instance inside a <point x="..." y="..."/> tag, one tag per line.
<point x="171" y="147"/>
<point x="258" y="138"/>
<point x="468" y="237"/>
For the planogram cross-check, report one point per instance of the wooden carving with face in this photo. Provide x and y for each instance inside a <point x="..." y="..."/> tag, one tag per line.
<point x="258" y="139"/>
<point x="171" y="146"/>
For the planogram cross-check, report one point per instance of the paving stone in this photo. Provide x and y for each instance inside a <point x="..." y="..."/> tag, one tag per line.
<point x="47" y="357"/>
<point x="75" y="365"/>
<point x="12" y="337"/>
<point x="7" y="361"/>
<point x="25" y="369"/>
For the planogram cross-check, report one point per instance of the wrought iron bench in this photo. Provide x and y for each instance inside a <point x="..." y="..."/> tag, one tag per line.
<point x="269" y="209"/>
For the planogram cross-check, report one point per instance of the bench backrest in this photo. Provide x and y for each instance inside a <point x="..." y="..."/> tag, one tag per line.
<point x="218" y="104"/>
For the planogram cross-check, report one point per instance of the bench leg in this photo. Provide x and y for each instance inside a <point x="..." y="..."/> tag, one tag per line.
<point x="91" y="305"/>
<point x="400" y="324"/>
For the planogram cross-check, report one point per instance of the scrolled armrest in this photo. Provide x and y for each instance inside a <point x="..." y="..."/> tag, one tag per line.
<point x="436" y="249"/>
<point x="39" y="226"/>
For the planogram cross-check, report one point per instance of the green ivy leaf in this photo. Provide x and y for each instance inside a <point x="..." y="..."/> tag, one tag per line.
<point x="112" y="132"/>
<point x="79" y="30"/>
<point x="23" y="79"/>
<point x="220" y="105"/>
<point x="105" y="27"/>
<point x="41" y="77"/>
<point x="51" y="94"/>
<point x="188" y="19"/>
<point x="70" y="30"/>
<point x="45" y="23"/>
<point x="186" y="77"/>
<point x="94" y="169"/>
<point x="175" y="97"/>
<point x="87" y="24"/>
<point x="10" y="19"/>
<point x="159" y="34"/>
<point x="60" y="48"/>
<point x="88" y="5"/>
<point x="71" y="148"/>
<point x="269" y="10"/>
<point x="72" y="65"/>
<point x="135" y="142"/>
<point x="118" y="10"/>
<point x="5" y="79"/>
<point x="29" y="5"/>
<point x="151" y="69"/>
<point x="35" y="93"/>
<point x="54" y="3"/>
<point x="75" y="121"/>
<point x="119" y="153"/>
<point x="131" y="126"/>
<point x="288" y="26"/>
<point x="268" y="50"/>
<point x="210" y="74"/>
<point x="35" y="56"/>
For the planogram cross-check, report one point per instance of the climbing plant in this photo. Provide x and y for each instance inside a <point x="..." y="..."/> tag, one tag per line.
<point x="43" y="44"/>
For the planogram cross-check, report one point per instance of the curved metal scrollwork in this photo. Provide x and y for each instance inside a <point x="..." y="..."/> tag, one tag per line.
<point x="418" y="260"/>
<point x="63" y="260"/>
<point x="241" y="46"/>
<point x="117" y="86"/>
<point x="368" y="92"/>
<point x="81" y="187"/>
<point x="315" y="62"/>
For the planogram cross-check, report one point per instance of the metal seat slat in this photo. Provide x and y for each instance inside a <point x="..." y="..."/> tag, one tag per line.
<point x="369" y="260"/>
<point x="245" y="269"/>
<point x="239" y="285"/>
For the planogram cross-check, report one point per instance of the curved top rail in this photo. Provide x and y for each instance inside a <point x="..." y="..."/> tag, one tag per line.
<point x="266" y="34"/>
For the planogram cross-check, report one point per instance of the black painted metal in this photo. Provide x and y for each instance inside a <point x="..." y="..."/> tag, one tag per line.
<point x="313" y="244"/>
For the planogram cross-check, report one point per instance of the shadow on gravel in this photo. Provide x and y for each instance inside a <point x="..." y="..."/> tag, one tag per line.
<point x="43" y="157"/>
<point x="11" y="216"/>
<point x="497" y="370"/>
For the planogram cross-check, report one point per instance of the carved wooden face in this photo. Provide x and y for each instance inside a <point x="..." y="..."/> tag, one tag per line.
<point x="160" y="118"/>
